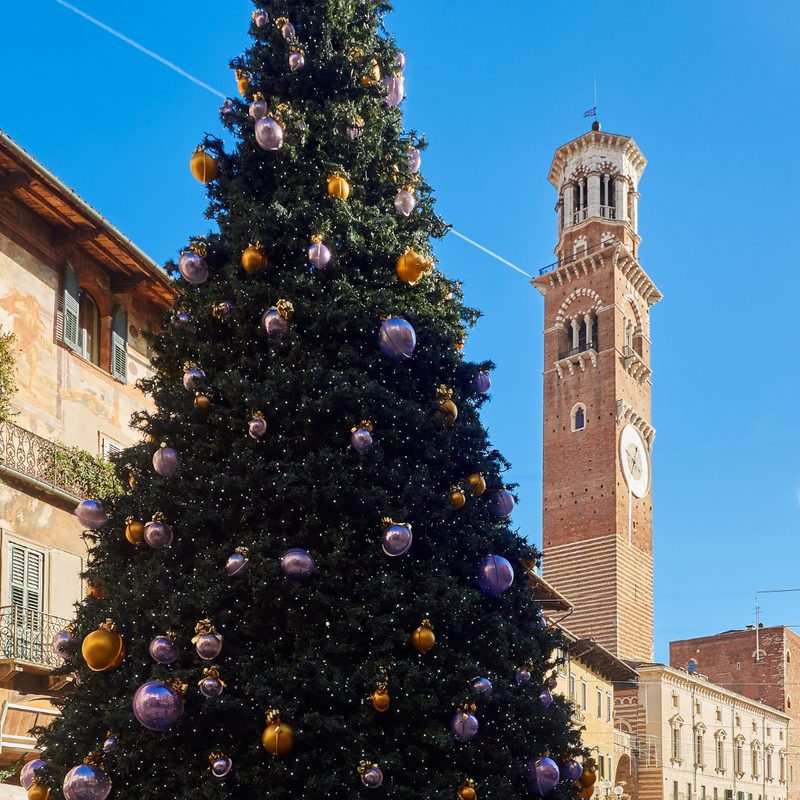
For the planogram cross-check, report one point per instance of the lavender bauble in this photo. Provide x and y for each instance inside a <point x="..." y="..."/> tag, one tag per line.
<point x="296" y="61"/>
<point x="414" y="160"/>
<point x="236" y="566"/>
<point x="28" y="772"/>
<point x="193" y="268"/>
<point x="297" y="564"/>
<point x="261" y="18"/>
<point x="361" y="439"/>
<point x="165" y="461"/>
<point x="482" y="686"/>
<point x="86" y="782"/>
<point x="319" y="255"/>
<point x="396" y="540"/>
<point x="59" y="641"/>
<point x="211" y="687"/>
<point x="544" y="699"/>
<point x="522" y="675"/>
<point x="395" y="90"/>
<point x="288" y="31"/>
<point x="502" y="504"/>
<point x="158" y="534"/>
<point x="552" y="682"/>
<point x="221" y="766"/>
<point x="494" y="575"/>
<point x="91" y="515"/>
<point x="163" y="650"/>
<point x="544" y="774"/>
<point x="482" y="382"/>
<point x="181" y="320"/>
<point x="401" y="61"/>
<point x="372" y="777"/>
<point x="157" y="705"/>
<point x="208" y="646"/>
<point x="227" y="112"/>
<point x="397" y="339"/>
<point x="257" y="427"/>
<point x="269" y="134"/>
<point x="194" y="379"/>
<point x="464" y="726"/>
<point x="258" y="109"/>
<point x="110" y="744"/>
<point x="570" y="770"/>
<point x="404" y="202"/>
<point x="275" y="325"/>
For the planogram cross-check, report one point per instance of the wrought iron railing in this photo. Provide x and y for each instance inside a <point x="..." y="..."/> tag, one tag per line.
<point x="42" y="460"/>
<point x="581" y="348"/>
<point x="27" y="635"/>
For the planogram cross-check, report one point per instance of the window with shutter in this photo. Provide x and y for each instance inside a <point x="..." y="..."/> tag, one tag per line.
<point x="71" y="309"/>
<point x="119" y="345"/>
<point x="26" y="578"/>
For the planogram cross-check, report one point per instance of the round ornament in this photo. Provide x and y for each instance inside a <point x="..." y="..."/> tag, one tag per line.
<point x="277" y="737"/>
<point x="91" y="515"/>
<point x="397" y="339"/>
<point x="242" y="83"/>
<point x="237" y="564"/>
<point x="227" y="111"/>
<point x="222" y="309"/>
<point x="103" y="649"/>
<point x="570" y="770"/>
<point x="380" y="698"/>
<point x="338" y="187"/>
<point x="257" y="426"/>
<point x="260" y="18"/>
<point x="211" y="685"/>
<point x="494" y="575"/>
<point x="220" y="765"/>
<point x="110" y="744"/>
<point x="477" y="484"/>
<point x="163" y="649"/>
<point x="182" y="320"/>
<point x="522" y="675"/>
<point x="269" y="134"/>
<point x="401" y="61"/>
<point x="545" y="699"/>
<point x="287" y="29"/>
<point x="464" y="724"/>
<point x="448" y="411"/>
<point x="204" y="402"/>
<point x="371" y="776"/>
<point x="39" y="791"/>
<point x="482" y="686"/>
<point x="86" y="782"/>
<point x="157" y="532"/>
<point x="544" y="775"/>
<point x="207" y="642"/>
<point x="482" y="382"/>
<point x="396" y="538"/>
<point x="60" y="640"/>
<point x="395" y="89"/>
<point x="423" y="637"/>
<point x="502" y="504"/>
<point x="254" y="258"/>
<point x="552" y="682"/>
<point x="404" y="202"/>
<point x="457" y="498"/>
<point x="28" y="772"/>
<point x="203" y="166"/>
<point x="467" y="791"/>
<point x="297" y="60"/>
<point x="193" y="378"/>
<point x="355" y="127"/>
<point x="166" y="460"/>
<point x="297" y="564"/>
<point x="258" y="108"/>
<point x="588" y="776"/>
<point x="94" y="591"/>
<point x="192" y="264"/>
<point x="361" y="438"/>
<point x="318" y="254"/>
<point x="276" y="320"/>
<point x="414" y="160"/>
<point x="156" y="705"/>
<point x="410" y="267"/>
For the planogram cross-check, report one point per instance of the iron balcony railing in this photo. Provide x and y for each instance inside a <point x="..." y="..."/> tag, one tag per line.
<point x="46" y="462"/>
<point x="27" y="635"/>
<point x="581" y="348"/>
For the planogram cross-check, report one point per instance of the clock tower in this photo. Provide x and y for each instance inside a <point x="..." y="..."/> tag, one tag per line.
<point x="597" y="500"/>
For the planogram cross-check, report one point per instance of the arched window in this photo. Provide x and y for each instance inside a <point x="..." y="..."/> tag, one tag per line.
<point x="89" y="328"/>
<point x="692" y="666"/>
<point x="607" y="204"/>
<point x="578" y="417"/>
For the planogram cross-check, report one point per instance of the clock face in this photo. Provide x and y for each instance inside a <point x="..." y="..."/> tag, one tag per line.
<point x="635" y="461"/>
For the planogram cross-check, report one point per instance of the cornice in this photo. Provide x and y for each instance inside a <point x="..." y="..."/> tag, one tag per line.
<point x="622" y="144"/>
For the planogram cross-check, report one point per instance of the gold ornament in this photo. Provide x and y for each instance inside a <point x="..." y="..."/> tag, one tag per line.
<point x="477" y="484"/>
<point x="285" y="309"/>
<point x="203" y="402"/>
<point x="132" y="477"/>
<point x="39" y="790"/>
<point x="410" y="267"/>
<point x="467" y="790"/>
<point x="277" y="738"/>
<point x="93" y="591"/>
<point x="203" y="166"/>
<point x="103" y="649"/>
<point x="457" y="498"/>
<point x="376" y="71"/>
<point x="448" y="412"/>
<point x="134" y="530"/>
<point x="380" y="697"/>
<point x="588" y="776"/>
<point x="243" y="82"/>
<point x="423" y="638"/>
<point x="338" y="187"/>
<point x="356" y="53"/>
<point x="254" y="258"/>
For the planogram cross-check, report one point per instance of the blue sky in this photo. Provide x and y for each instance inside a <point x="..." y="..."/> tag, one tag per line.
<point x="709" y="91"/>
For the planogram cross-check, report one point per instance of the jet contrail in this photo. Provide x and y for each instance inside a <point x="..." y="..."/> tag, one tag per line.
<point x="481" y="247"/>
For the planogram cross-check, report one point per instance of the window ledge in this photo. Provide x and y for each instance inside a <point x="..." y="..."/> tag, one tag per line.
<point x="581" y="360"/>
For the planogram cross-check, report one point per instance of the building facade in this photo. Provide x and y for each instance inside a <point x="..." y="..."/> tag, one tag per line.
<point x="77" y="294"/>
<point x="597" y="507"/>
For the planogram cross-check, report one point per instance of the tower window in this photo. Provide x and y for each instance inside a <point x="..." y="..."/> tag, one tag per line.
<point x="578" y="417"/>
<point x="607" y="206"/>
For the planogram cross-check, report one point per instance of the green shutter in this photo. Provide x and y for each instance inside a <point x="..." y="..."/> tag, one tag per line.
<point x="71" y="308"/>
<point x="26" y="578"/>
<point x="119" y="345"/>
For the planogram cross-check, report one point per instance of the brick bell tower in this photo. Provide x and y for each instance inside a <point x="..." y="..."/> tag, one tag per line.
<point x="597" y="506"/>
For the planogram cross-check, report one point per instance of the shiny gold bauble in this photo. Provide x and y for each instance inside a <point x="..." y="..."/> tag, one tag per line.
<point x="423" y="638"/>
<point x="338" y="187"/>
<point x="410" y="267"/>
<point x="278" y="739"/>
<point x="253" y="258"/>
<point x="93" y="591"/>
<point x="587" y="779"/>
<point x="381" y="701"/>
<point x="457" y="499"/>
<point x="203" y="403"/>
<point x="39" y="791"/>
<point x="448" y="412"/>
<point x="203" y="166"/>
<point x="134" y="531"/>
<point x="466" y="793"/>
<point x="103" y="650"/>
<point x="244" y="85"/>
<point x="477" y="484"/>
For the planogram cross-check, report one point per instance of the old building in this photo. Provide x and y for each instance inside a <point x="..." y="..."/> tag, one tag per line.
<point x="76" y="293"/>
<point x="760" y="663"/>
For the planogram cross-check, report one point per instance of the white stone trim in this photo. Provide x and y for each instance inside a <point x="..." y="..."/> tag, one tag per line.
<point x="626" y="415"/>
<point x="573" y="414"/>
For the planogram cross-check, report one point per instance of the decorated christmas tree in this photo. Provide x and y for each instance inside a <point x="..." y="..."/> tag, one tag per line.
<point x="311" y="588"/>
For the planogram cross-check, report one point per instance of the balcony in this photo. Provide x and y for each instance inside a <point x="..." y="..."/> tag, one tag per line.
<point x="635" y="365"/>
<point x="581" y="356"/>
<point x="608" y="212"/>
<point x="26" y="641"/>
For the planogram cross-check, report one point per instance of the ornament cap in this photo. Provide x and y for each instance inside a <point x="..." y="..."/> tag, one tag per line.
<point x="199" y="248"/>
<point x="364" y="768"/>
<point x="364" y="425"/>
<point x="285" y="309"/>
<point x="177" y="686"/>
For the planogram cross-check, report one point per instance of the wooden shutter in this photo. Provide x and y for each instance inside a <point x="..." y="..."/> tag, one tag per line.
<point x="26" y="578"/>
<point x="71" y="309"/>
<point x="119" y="345"/>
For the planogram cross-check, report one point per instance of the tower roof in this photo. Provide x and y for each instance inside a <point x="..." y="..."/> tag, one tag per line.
<point x="611" y="143"/>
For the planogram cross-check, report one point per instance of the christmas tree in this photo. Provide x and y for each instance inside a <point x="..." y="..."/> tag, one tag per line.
<point x="311" y="588"/>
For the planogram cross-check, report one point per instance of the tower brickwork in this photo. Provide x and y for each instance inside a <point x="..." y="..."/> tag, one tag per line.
<point x="597" y="507"/>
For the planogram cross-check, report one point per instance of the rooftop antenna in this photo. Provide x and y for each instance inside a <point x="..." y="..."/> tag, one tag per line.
<point x="592" y="112"/>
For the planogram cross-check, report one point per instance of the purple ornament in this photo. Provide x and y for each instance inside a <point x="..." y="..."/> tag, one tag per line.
<point x="361" y="439"/>
<point x="193" y="268"/>
<point x="540" y="623"/>
<point x="464" y="726"/>
<point x="261" y="18"/>
<point x="165" y="461"/>
<point x="502" y="504"/>
<point x="544" y="699"/>
<point x="482" y="686"/>
<point x="269" y="134"/>
<point x="482" y="382"/>
<point x="396" y="90"/>
<point x="258" y="109"/>
<point x="223" y="309"/>
<point x="59" y="640"/>
<point x="181" y="319"/>
<point x="296" y="60"/>
<point x="208" y="646"/>
<point x="354" y="129"/>
<point x="494" y="575"/>
<point x="414" y="160"/>
<point x="86" y="782"/>
<point x="401" y="61"/>
<point x="570" y="770"/>
<point x="193" y="379"/>
<point x="396" y="540"/>
<point x="544" y="774"/>
<point x="288" y="32"/>
<point x="157" y="705"/>
<point x="163" y="650"/>
<point x="372" y="778"/>
<point x="297" y="564"/>
<point x="319" y="255"/>
<point x="274" y="324"/>
<point x="211" y="687"/>
<point x="110" y="744"/>
<point x="158" y="534"/>
<point x="397" y="339"/>
<point x="522" y="675"/>
<point x="226" y="112"/>
<point x="221" y="767"/>
<point x="28" y="772"/>
<point x="257" y="427"/>
<point x="91" y="515"/>
<point x="236" y="565"/>
<point x="552" y="682"/>
<point x="404" y="202"/>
